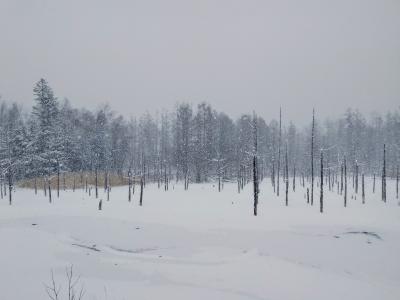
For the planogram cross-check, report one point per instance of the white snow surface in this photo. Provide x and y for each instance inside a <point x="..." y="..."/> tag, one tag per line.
<point x="202" y="244"/>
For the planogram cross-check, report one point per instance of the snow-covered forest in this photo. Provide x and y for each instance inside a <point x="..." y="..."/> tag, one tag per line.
<point x="189" y="143"/>
<point x="163" y="205"/>
<point x="199" y="150"/>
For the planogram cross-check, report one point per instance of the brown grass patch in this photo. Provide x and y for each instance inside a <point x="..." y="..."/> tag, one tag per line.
<point x="68" y="180"/>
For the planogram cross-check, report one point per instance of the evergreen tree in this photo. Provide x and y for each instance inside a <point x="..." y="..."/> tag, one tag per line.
<point x="46" y="147"/>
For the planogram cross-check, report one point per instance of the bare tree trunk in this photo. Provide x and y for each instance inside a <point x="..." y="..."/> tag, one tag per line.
<point x="96" y="187"/>
<point x="312" y="157"/>
<point x="329" y="177"/>
<point x="356" y="177"/>
<point x="308" y="195"/>
<point x="321" y="198"/>
<point x="279" y="150"/>
<point x="219" y="175"/>
<point x="345" y="183"/>
<point x="141" y="191"/>
<point x="341" y="179"/>
<point x="255" y="165"/>
<point x="105" y="181"/>
<point x="130" y="186"/>
<point x="273" y="175"/>
<point x="384" y="174"/>
<point x="255" y="182"/>
<point x="373" y="185"/>
<point x="158" y="173"/>
<point x="9" y="187"/>
<point x="49" y="185"/>
<point x="362" y="187"/>
<point x="165" y="179"/>
<point x="58" y="181"/>
<point x="294" y="178"/>
<point x="144" y="172"/>
<point x="82" y="180"/>
<point x="35" y="186"/>
<point x="287" y="178"/>
<point x="397" y="183"/>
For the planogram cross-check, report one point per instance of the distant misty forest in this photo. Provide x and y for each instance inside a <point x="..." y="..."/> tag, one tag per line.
<point x="194" y="143"/>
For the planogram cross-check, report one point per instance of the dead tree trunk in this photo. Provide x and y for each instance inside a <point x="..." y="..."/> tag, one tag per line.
<point x="321" y="197"/>
<point x="279" y="151"/>
<point x="345" y="183"/>
<point x="219" y="176"/>
<point x="273" y="175"/>
<point x="165" y="178"/>
<point x="329" y="176"/>
<point x="130" y="185"/>
<point x="397" y="183"/>
<point x="255" y="166"/>
<point x="49" y="185"/>
<point x="312" y="157"/>
<point x="294" y="178"/>
<point x="287" y="178"/>
<point x="105" y="181"/>
<point x="356" y="177"/>
<point x="373" y="185"/>
<point x="384" y="174"/>
<point x="341" y="179"/>
<point x="58" y="181"/>
<point x="141" y="191"/>
<point x="255" y="191"/>
<point x="362" y="187"/>
<point x="96" y="183"/>
<point x="9" y="186"/>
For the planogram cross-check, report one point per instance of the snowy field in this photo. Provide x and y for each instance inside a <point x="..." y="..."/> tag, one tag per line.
<point x="201" y="244"/>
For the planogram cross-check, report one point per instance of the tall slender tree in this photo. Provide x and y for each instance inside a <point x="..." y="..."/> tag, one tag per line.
<point x="255" y="165"/>
<point x="279" y="150"/>
<point x="321" y="197"/>
<point x="312" y="156"/>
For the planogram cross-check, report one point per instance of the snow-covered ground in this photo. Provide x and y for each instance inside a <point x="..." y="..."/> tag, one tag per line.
<point x="201" y="244"/>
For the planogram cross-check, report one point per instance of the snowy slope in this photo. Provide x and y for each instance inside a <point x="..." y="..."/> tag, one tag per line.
<point x="201" y="244"/>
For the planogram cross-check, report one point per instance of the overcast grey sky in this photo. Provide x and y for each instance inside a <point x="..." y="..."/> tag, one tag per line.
<point x="236" y="55"/>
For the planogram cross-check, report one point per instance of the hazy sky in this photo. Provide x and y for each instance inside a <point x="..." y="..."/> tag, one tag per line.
<point x="236" y="55"/>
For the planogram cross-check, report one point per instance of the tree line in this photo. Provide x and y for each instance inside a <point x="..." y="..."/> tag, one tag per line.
<point x="189" y="144"/>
